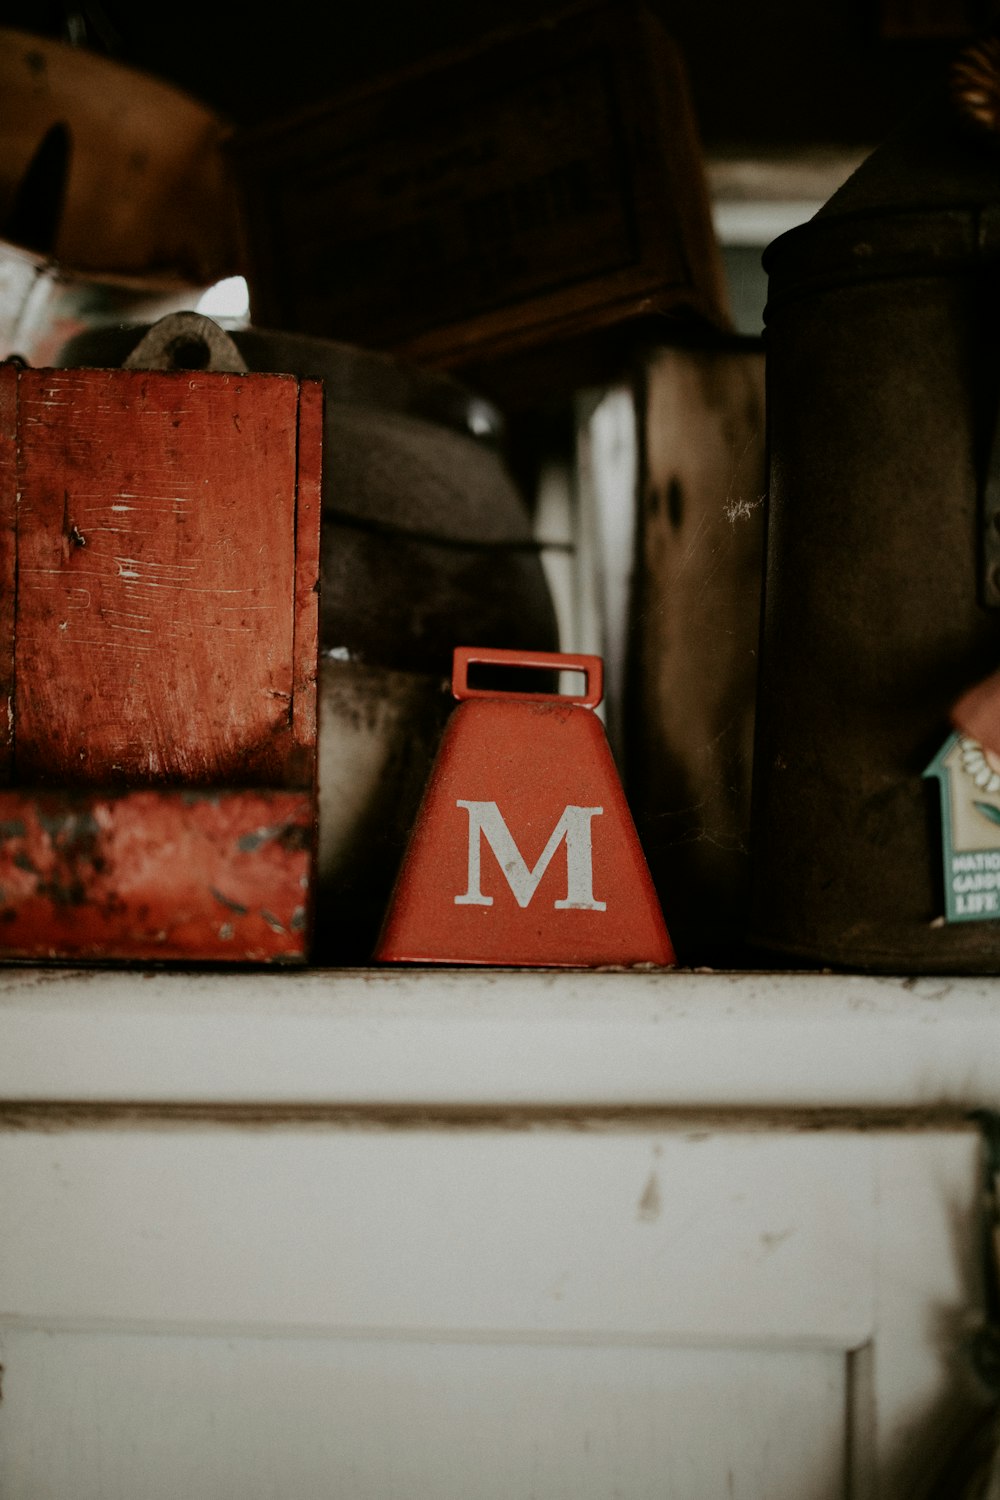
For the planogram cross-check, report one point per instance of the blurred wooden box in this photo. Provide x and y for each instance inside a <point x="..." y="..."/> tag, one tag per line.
<point x="692" y="678"/>
<point x="159" y="559"/>
<point x="542" y="185"/>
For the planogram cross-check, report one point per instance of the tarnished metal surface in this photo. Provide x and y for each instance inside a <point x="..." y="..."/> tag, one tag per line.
<point x="43" y="304"/>
<point x="881" y="411"/>
<point x="155" y="874"/>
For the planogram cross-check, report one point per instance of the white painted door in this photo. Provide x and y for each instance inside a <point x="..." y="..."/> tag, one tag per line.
<point x="283" y="1305"/>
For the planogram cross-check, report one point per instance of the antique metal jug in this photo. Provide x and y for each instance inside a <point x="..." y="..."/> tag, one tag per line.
<point x="882" y="573"/>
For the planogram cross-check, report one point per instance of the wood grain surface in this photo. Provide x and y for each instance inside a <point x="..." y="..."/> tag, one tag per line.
<point x="156" y="576"/>
<point x="159" y="573"/>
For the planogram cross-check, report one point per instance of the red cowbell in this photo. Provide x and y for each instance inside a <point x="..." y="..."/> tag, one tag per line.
<point x="524" y="851"/>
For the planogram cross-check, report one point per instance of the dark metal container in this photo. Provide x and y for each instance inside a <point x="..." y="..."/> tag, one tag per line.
<point x="881" y="597"/>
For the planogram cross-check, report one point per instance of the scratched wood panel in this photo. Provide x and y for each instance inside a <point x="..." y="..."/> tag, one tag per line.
<point x="156" y="576"/>
<point x="305" y="689"/>
<point x="8" y="560"/>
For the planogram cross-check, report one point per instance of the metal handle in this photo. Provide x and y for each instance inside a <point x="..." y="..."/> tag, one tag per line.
<point x="187" y="341"/>
<point x="552" y="661"/>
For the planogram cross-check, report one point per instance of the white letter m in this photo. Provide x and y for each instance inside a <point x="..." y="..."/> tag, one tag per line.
<point x="485" y="818"/>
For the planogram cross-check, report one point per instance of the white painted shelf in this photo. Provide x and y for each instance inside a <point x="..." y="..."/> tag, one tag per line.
<point x="668" y="1040"/>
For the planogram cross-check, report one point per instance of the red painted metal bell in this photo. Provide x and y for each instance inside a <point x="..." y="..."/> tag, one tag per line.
<point x="524" y="851"/>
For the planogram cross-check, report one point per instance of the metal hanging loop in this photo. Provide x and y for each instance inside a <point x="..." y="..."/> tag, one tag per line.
<point x="187" y="341"/>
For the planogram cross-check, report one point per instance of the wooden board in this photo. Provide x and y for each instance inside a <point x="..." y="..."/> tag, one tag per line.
<point x="159" y="570"/>
<point x="8" y="560"/>
<point x="695" y="622"/>
<point x="155" y="576"/>
<point x="536" y="187"/>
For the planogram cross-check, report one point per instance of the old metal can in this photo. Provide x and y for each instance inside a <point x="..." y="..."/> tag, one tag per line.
<point x="881" y="597"/>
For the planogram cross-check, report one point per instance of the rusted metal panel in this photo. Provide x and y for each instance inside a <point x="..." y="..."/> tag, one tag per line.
<point x="155" y="874"/>
<point x="880" y="610"/>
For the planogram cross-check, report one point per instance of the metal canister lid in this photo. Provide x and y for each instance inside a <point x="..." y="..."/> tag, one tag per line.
<point x="924" y="202"/>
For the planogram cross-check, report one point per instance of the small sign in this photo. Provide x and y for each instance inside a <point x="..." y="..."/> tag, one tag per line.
<point x="969" y="779"/>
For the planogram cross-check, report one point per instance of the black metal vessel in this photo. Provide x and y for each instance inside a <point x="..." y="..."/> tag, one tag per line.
<point x="882" y="586"/>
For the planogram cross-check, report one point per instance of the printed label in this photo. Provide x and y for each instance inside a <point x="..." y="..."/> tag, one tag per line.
<point x="969" y="779"/>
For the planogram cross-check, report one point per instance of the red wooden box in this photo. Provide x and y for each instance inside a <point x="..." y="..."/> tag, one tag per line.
<point x="159" y="560"/>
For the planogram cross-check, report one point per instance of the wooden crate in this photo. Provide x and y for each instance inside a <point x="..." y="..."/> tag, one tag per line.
<point x="525" y="191"/>
<point x="159" y="546"/>
<point x="692" y="676"/>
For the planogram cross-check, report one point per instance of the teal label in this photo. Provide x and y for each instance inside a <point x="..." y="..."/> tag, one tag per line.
<point x="969" y="780"/>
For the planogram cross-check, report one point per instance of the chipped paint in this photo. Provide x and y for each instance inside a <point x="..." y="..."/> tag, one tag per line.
<point x="143" y="874"/>
<point x="184" y="669"/>
<point x="651" y="1203"/>
<point x="249" y="842"/>
<point x="228" y="902"/>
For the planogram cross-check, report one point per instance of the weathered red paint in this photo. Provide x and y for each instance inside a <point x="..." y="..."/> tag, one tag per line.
<point x="8" y="561"/>
<point x="524" y="851"/>
<point x="168" y="875"/>
<point x="300" y="764"/>
<point x="155" y="576"/>
<point x="159" y="566"/>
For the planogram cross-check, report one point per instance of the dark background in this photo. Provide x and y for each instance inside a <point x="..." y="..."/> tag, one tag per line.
<point x="765" y="74"/>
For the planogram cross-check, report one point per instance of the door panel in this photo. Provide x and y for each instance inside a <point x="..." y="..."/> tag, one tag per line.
<point x="318" y="1310"/>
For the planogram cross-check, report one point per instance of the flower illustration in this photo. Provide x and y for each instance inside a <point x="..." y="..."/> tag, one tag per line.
<point x="982" y="765"/>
